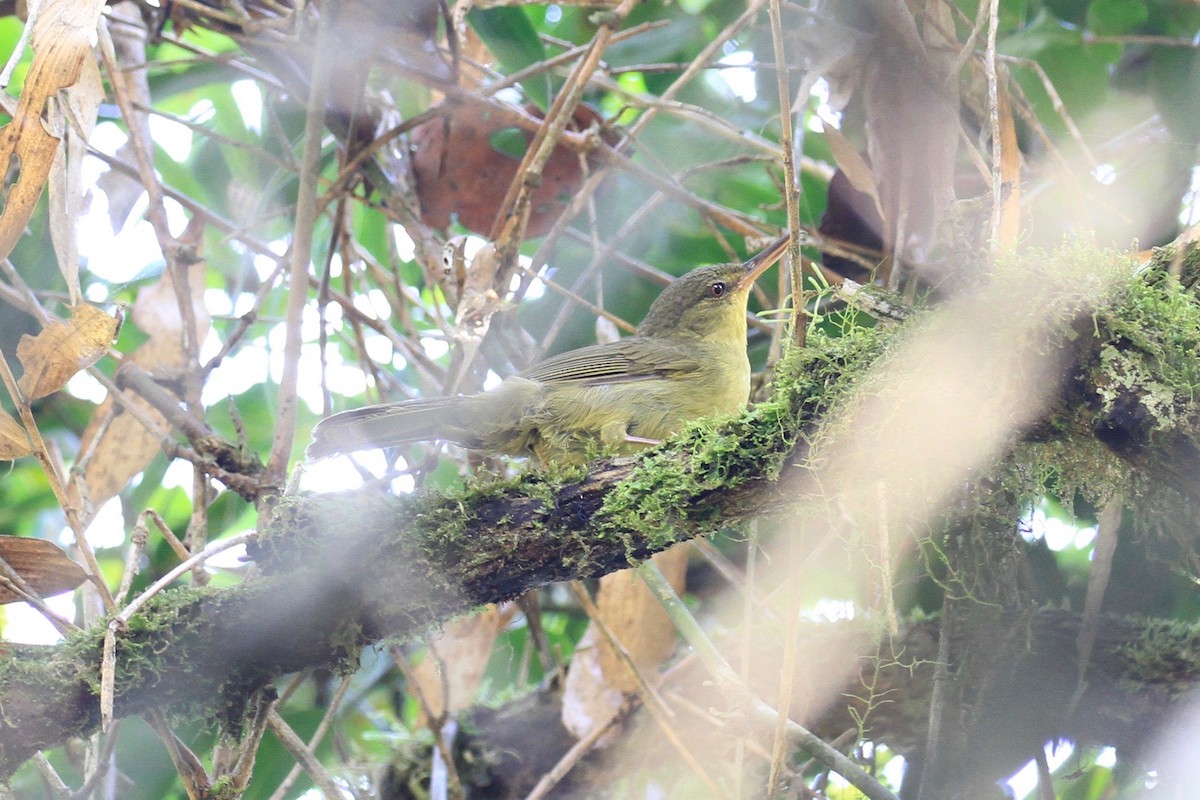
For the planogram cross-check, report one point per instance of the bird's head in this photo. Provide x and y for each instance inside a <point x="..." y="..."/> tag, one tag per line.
<point x="709" y="302"/>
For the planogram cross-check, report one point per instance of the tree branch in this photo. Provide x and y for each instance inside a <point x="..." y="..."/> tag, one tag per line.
<point x="339" y="572"/>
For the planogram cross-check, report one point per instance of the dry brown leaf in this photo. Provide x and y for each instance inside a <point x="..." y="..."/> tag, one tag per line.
<point x="638" y="619"/>
<point x="463" y="649"/>
<point x="125" y="446"/>
<point x="13" y="441"/>
<point x="907" y="93"/>
<point x="598" y="678"/>
<point x="461" y="175"/>
<point x="63" y="37"/>
<point x="74" y="113"/>
<point x="64" y="348"/>
<point x="43" y="565"/>
<point x="1010" y="173"/>
<point x="853" y="165"/>
<point x="588" y="701"/>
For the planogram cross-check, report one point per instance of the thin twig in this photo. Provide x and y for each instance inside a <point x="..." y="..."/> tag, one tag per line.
<point x="58" y="788"/>
<point x="1055" y="101"/>
<point x="569" y="759"/>
<point x="304" y="756"/>
<point x="787" y="674"/>
<point x="55" y="478"/>
<point x="651" y="699"/>
<point x="14" y="582"/>
<point x="208" y="552"/>
<point x="580" y="199"/>
<point x="31" y="17"/>
<point x="791" y="185"/>
<point x="727" y="678"/>
<point x="513" y="214"/>
<point x="301" y="253"/>
<point x="191" y="771"/>
<point x="138" y="130"/>
<point x="989" y="66"/>
<point x="334" y="704"/>
<point x="436" y="719"/>
<point x="1087" y="37"/>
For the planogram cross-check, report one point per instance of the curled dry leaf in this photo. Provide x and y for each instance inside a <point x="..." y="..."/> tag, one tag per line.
<point x="43" y="565"/>
<point x="74" y="114"/>
<point x="13" y="441"/>
<point x="64" y="348"/>
<point x="448" y="681"/>
<point x="1009" y="230"/>
<point x="478" y="300"/>
<point x="63" y="37"/>
<point x="853" y="166"/>
<point x="463" y="174"/>
<point x="125" y="446"/>
<point x="599" y="679"/>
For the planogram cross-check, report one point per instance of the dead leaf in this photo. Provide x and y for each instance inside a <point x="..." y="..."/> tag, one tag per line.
<point x="122" y="190"/>
<point x="598" y="678"/>
<point x="907" y="93"/>
<point x="13" y="441"/>
<point x="478" y="300"/>
<point x="1010" y="173"/>
<point x="588" y="701"/>
<point x="463" y="650"/>
<point x="42" y="564"/>
<point x="63" y="37"/>
<point x="129" y="39"/>
<point x="853" y="165"/>
<point x="638" y="619"/>
<point x="157" y="312"/>
<point x="64" y="348"/>
<point x="462" y="175"/>
<point x="73" y="112"/>
<point x="125" y="446"/>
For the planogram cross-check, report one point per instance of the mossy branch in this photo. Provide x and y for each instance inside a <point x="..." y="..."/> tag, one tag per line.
<point x="342" y="571"/>
<point x="339" y="572"/>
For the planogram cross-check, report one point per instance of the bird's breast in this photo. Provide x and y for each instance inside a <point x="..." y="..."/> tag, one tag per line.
<point x="651" y="408"/>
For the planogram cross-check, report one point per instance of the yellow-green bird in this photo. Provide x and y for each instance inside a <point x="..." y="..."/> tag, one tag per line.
<point x="686" y="360"/>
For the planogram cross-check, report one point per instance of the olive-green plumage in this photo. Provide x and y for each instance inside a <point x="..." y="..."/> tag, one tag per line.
<point x="686" y="360"/>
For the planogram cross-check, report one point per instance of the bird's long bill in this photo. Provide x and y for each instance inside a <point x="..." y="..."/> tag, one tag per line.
<point x="758" y="264"/>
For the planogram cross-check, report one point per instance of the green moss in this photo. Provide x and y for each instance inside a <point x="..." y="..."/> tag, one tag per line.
<point x="1153" y="338"/>
<point x="671" y="484"/>
<point x="1163" y="649"/>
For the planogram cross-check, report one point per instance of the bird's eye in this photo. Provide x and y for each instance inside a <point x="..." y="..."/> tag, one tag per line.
<point x="717" y="289"/>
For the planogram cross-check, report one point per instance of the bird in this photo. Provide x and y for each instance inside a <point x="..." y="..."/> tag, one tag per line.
<point x="686" y="360"/>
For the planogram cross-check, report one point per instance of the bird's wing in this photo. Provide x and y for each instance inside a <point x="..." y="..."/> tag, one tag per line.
<point x="631" y="359"/>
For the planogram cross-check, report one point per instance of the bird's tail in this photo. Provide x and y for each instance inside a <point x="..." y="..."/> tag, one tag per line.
<point x="386" y="426"/>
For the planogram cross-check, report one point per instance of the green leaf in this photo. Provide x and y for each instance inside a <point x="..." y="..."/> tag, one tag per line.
<point x="1114" y="17"/>
<point x="1078" y="72"/>
<point x="1071" y="11"/>
<point x="514" y="42"/>
<point x="509" y="141"/>
<point x="273" y="763"/>
<point x="1173" y="80"/>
